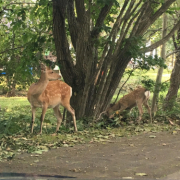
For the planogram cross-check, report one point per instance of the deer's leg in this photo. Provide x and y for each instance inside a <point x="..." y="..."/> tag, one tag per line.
<point x="139" y="105"/>
<point x="148" y="108"/>
<point x="33" y="118"/>
<point x="71" y="110"/>
<point x="44" y="109"/>
<point x="58" y="117"/>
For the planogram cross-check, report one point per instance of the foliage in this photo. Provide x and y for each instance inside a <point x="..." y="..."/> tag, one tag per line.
<point x="173" y="113"/>
<point x="24" y="39"/>
<point x="149" y="84"/>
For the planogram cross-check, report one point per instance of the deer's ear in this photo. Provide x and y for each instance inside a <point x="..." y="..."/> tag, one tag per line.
<point x="43" y="67"/>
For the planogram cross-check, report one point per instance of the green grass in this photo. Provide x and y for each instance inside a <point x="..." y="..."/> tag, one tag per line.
<point x="13" y="101"/>
<point x="138" y="74"/>
<point x="153" y="73"/>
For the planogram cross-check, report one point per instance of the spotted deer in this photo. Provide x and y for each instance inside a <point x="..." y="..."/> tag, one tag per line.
<point x="49" y="92"/>
<point x="138" y="97"/>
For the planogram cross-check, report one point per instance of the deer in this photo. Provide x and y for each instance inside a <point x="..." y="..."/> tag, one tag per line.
<point x="50" y="92"/>
<point x="138" y="97"/>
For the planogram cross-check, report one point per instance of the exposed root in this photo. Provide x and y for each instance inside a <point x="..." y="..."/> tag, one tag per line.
<point x="99" y="116"/>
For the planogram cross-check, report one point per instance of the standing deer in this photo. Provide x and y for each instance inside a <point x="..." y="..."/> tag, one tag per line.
<point x="138" y="97"/>
<point x="49" y="92"/>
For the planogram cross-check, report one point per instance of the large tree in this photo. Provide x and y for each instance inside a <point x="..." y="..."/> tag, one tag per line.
<point x="105" y="35"/>
<point x="175" y="75"/>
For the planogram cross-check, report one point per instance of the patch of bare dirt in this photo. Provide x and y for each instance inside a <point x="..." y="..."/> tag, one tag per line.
<point x="145" y="156"/>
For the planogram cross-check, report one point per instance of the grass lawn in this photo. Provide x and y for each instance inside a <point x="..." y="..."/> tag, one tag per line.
<point x="138" y="75"/>
<point x="12" y="102"/>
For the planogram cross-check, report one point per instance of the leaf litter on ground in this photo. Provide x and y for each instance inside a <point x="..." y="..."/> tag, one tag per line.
<point x="20" y="143"/>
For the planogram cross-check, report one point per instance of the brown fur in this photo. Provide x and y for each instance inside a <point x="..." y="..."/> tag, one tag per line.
<point x="134" y="98"/>
<point x="50" y="94"/>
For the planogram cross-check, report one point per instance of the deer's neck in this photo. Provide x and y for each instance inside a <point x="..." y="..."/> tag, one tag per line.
<point x="40" y="86"/>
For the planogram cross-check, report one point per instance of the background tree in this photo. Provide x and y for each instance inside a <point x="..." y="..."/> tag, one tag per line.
<point x="175" y="75"/>
<point x="160" y="71"/>
<point x="105" y="35"/>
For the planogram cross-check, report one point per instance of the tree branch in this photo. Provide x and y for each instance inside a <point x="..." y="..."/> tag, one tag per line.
<point x="12" y="49"/>
<point x="150" y="18"/>
<point x="162" y="41"/>
<point x="174" y="52"/>
<point x="80" y="9"/>
<point x="73" y="26"/>
<point x="163" y="8"/>
<point x="125" y="27"/>
<point x="117" y="24"/>
<point x="61" y="43"/>
<point x="174" y="41"/>
<point x="143" y="21"/>
<point x="102" y="15"/>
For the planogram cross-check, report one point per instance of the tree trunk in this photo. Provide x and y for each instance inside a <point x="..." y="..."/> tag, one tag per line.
<point x="98" y="67"/>
<point x="11" y="90"/>
<point x="160" y="71"/>
<point x="11" y="82"/>
<point x="175" y="76"/>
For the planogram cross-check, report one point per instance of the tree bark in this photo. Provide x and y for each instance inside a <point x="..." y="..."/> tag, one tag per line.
<point x="160" y="71"/>
<point x="175" y="77"/>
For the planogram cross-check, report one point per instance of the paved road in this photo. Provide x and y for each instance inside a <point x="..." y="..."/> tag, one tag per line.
<point x="174" y="176"/>
<point x="145" y="156"/>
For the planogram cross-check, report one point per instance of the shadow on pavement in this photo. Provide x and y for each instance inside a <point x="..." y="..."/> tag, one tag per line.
<point x="30" y="176"/>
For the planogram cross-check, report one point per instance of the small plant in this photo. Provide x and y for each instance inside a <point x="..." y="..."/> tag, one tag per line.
<point x="163" y="115"/>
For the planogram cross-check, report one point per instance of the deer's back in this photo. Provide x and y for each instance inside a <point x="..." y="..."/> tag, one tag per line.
<point x="130" y="99"/>
<point x="57" y="88"/>
<point x="55" y="92"/>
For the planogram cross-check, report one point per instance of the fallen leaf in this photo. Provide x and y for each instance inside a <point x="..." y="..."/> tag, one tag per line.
<point x="140" y="174"/>
<point x="75" y="170"/>
<point x="174" y="132"/>
<point x="35" y="155"/>
<point x="152" y="136"/>
<point x="37" y="152"/>
<point x="37" y="160"/>
<point x="65" y="145"/>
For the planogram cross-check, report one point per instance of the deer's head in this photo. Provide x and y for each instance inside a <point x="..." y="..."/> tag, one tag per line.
<point x="109" y="110"/>
<point x="49" y="73"/>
